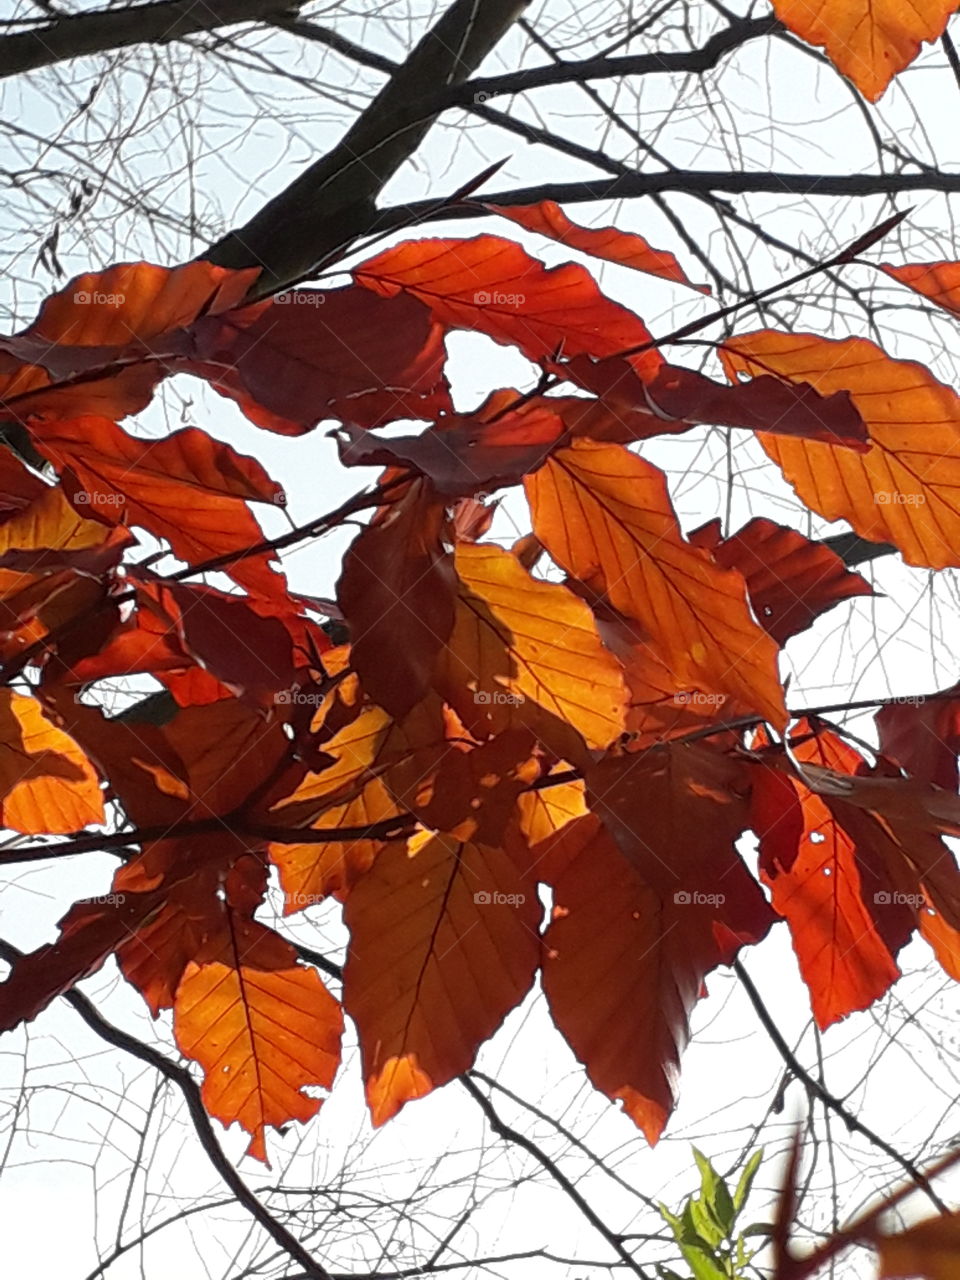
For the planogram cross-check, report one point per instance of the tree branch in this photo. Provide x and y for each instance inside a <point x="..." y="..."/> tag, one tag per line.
<point x="333" y="202"/>
<point x="87" y="34"/>
<point x="688" y="181"/>
<point x="190" y="1090"/>
<point x="816" y="1089"/>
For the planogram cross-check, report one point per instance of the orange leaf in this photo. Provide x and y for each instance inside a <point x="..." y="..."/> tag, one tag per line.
<point x="262" y="1026"/>
<point x="870" y="41"/>
<point x="821" y="883"/>
<point x="938" y="281"/>
<point x="527" y="653"/>
<point x="187" y="488"/>
<point x="100" y="319"/>
<point x="928" y="1250"/>
<point x="622" y="247"/>
<point x="906" y="488"/>
<point x="492" y="286"/>
<point x="443" y="944"/>
<point x="605" y="516"/>
<point x="48" y="785"/>
<point x="790" y="580"/>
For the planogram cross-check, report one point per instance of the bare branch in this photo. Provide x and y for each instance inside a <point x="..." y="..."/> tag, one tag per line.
<point x="87" y="34"/>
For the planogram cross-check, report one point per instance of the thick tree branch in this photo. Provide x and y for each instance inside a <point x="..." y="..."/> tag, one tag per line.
<point x="190" y="1090"/>
<point x="332" y="203"/>
<point x="87" y="34"/>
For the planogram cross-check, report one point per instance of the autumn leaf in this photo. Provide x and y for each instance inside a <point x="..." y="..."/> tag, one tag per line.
<point x="606" y="518"/>
<point x="906" y="488"/>
<point x="397" y="594"/>
<point x="634" y="408"/>
<point x="349" y="793"/>
<point x="675" y="814"/>
<point x="310" y="354"/>
<point x="470" y="454"/>
<point x="116" y="321"/>
<point x="869" y="42"/>
<point x="929" y="1250"/>
<point x="491" y="286"/>
<point x="825" y="885"/>
<point x="521" y="647"/>
<point x="262" y="1026"/>
<point x="48" y="785"/>
<point x="623" y="968"/>
<point x="622" y="247"/>
<point x="187" y="488"/>
<point x="938" y="281"/>
<point x="443" y="944"/>
<point x="922" y="734"/>
<point x="790" y="580"/>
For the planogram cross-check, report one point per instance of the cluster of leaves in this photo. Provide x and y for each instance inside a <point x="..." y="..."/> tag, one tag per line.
<point x="486" y="730"/>
<point x="706" y="1227"/>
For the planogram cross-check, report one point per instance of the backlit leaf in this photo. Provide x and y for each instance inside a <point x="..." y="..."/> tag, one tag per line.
<point x="605" y="516"/>
<point x="906" y="488"/>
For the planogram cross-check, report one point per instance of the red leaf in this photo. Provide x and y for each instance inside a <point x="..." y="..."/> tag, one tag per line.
<point x="923" y="736"/>
<point x="397" y="594"/>
<point x="622" y="247"/>
<point x="187" y="488"/>
<point x="681" y="396"/>
<point x="309" y="354"/>
<point x="465" y="454"/>
<point x="823" y="883"/>
<point x="791" y="581"/>
<point x="492" y="286"/>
